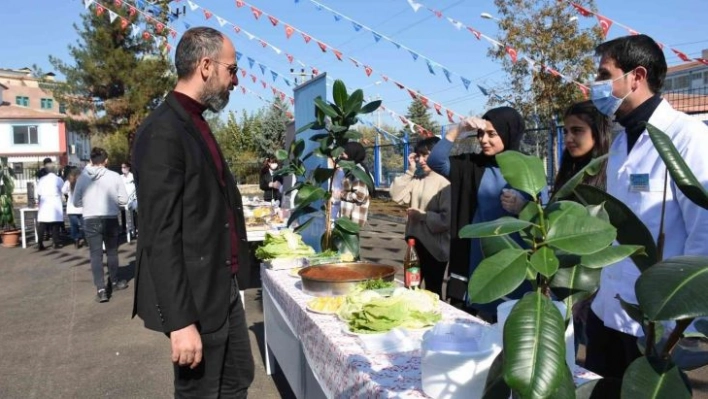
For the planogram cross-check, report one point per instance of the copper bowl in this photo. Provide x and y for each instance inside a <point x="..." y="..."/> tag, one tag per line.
<point x="334" y="279"/>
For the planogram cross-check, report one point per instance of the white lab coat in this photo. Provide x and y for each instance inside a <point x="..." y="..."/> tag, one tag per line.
<point x="685" y="224"/>
<point x="50" y="199"/>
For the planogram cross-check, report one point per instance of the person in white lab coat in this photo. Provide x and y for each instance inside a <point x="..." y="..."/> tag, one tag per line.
<point x="628" y="85"/>
<point x="51" y="211"/>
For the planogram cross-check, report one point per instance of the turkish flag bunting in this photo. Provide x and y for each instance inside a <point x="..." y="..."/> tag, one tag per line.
<point x="282" y="96"/>
<point x="118" y="3"/>
<point x="290" y="58"/>
<point x="168" y="47"/>
<point x="661" y="46"/>
<point x="437" y="13"/>
<point x="124" y="23"/>
<point x="264" y="43"/>
<point x="273" y="20"/>
<point x="403" y="119"/>
<point x="306" y="37"/>
<point x="132" y="11"/>
<point x="512" y="54"/>
<point x="292" y="101"/>
<point x="475" y="32"/>
<point x="681" y="55"/>
<point x="412" y="94"/>
<point x="356" y="64"/>
<point x="256" y="12"/>
<point x="323" y="47"/>
<point x="243" y="72"/>
<point x="582" y="10"/>
<point x="385" y="78"/>
<point x="264" y="84"/>
<point x="450" y="116"/>
<point x="315" y="71"/>
<point x="159" y="27"/>
<point x="584" y="89"/>
<point x="254" y="78"/>
<point x="553" y="72"/>
<point x="368" y="70"/>
<point x="207" y="14"/>
<point x="438" y="108"/>
<point x="99" y="10"/>
<point x="243" y="89"/>
<point x="237" y="29"/>
<point x="702" y="60"/>
<point x="146" y="35"/>
<point x="239" y="3"/>
<point x="337" y="54"/>
<point x="289" y="31"/>
<point x="633" y="32"/>
<point x="424" y="100"/>
<point x="173" y="33"/>
<point x="400" y="86"/>
<point x="605" y="24"/>
<point x="272" y="88"/>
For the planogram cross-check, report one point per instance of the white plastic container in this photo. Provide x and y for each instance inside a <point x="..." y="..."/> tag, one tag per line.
<point x="504" y="309"/>
<point x="455" y="360"/>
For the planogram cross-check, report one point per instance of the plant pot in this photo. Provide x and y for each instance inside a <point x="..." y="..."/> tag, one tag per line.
<point x="10" y="238"/>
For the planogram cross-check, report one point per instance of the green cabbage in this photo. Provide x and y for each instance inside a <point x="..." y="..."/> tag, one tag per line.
<point x="405" y="308"/>
<point x="283" y="244"/>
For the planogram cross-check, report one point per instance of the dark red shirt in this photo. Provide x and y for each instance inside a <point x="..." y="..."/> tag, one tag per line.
<point x="195" y="110"/>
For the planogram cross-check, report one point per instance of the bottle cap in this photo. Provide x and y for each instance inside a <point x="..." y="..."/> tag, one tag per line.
<point x="411" y="242"/>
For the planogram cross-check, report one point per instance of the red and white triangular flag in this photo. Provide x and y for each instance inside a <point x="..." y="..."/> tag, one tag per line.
<point x="264" y="84"/>
<point x="681" y="55"/>
<point x="263" y="43"/>
<point x="159" y="27"/>
<point x="289" y="31"/>
<point x="385" y="78"/>
<point x="273" y="20"/>
<point x="237" y="29"/>
<point x="475" y="32"/>
<point x="100" y="10"/>
<point x="702" y="60"/>
<point x="323" y="47"/>
<point x="243" y="72"/>
<point x="582" y="10"/>
<point x="337" y="54"/>
<point x="124" y="23"/>
<point x="207" y="14"/>
<point x="118" y="3"/>
<point x="290" y="58"/>
<point x="512" y="53"/>
<point x="368" y="70"/>
<point x="315" y="72"/>
<point x="450" y="116"/>
<point x="438" y="108"/>
<point x="254" y="78"/>
<point x="412" y="94"/>
<point x="424" y="100"/>
<point x="306" y="37"/>
<point x="355" y="62"/>
<point x="256" y="12"/>
<point x="146" y="35"/>
<point x="400" y="86"/>
<point x="605" y="24"/>
<point x="585" y="91"/>
<point x="239" y="3"/>
<point x="132" y="11"/>
<point x="633" y="32"/>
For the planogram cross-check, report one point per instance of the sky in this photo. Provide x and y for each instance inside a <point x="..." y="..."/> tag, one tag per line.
<point x="34" y="29"/>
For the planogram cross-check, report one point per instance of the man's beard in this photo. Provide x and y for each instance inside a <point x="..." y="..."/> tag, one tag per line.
<point x="214" y="97"/>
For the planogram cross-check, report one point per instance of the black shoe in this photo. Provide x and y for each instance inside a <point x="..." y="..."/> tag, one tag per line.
<point x="101" y="296"/>
<point x="119" y="285"/>
<point x="41" y="247"/>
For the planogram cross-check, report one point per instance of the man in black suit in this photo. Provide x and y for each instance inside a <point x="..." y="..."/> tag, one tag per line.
<point x="192" y="230"/>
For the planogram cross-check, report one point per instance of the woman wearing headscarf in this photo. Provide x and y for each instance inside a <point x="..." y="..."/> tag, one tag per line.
<point x="478" y="192"/>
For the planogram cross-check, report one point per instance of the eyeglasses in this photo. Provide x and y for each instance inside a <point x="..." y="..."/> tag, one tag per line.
<point x="232" y="68"/>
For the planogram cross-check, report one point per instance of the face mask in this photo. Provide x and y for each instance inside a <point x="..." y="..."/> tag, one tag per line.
<point x="601" y="95"/>
<point x="273" y="165"/>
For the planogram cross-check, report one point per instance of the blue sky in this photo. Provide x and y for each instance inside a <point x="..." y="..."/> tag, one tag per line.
<point x="35" y="29"/>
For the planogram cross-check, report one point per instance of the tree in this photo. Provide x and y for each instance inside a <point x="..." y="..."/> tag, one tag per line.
<point x="418" y="114"/>
<point x="543" y="31"/>
<point x="118" y="76"/>
<point x="237" y="142"/>
<point x="271" y="137"/>
<point x="391" y="152"/>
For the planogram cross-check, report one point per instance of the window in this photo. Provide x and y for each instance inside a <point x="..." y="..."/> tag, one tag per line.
<point x="668" y="84"/>
<point x="62" y="109"/>
<point x="47" y="103"/>
<point x="26" y="134"/>
<point x="705" y="77"/>
<point x="682" y="82"/>
<point x="21" y="100"/>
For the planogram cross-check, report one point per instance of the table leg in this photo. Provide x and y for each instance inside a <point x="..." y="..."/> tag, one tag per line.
<point x="22" y="227"/>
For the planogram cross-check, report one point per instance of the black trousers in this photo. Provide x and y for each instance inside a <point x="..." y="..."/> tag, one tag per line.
<point x="609" y="352"/>
<point x="226" y="370"/>
<point x="42" y="227"/>
<point x="432" y="271"/>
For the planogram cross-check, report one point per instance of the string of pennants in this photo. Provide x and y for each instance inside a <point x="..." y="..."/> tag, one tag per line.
<point x="511" y="52"/>
<point x="606" y="23"/>
<point x="439" y="108"/>
<point x="246" y="90"/>
<point x="133" y="12"/>
<point x="100" y="9"/>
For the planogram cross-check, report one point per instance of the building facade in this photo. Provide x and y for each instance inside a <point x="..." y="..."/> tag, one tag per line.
<point x="33" y="127"/>
<point x="686" y="87"/>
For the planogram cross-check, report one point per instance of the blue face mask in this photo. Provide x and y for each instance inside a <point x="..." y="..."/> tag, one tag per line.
<point x="602" y="97"/>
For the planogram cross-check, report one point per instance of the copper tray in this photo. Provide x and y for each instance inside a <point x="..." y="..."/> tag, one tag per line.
<point x="333" y="279"/>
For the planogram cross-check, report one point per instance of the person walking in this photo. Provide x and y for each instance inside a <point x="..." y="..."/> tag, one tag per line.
<point x="51" y="205"/>
<point x="74" y="213"/>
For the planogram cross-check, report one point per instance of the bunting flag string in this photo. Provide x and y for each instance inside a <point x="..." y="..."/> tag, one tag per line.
<point x="136" y="31"/>
<point x="430" y="63"/>
<point x="367" y="69"/>
<point x="245" y="90"/>
<point x="510" y="51"/>
<point x="606" y="23"/>
<point x="137" y="8"/>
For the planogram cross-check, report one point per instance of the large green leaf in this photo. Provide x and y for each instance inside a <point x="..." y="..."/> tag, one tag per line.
<point x="370" y="107"/>
<point x="674" y="289"/>
<point x="306" y="127"/>
<point x="353" y="105"/>
<point x="299" y="212"/>
<point x="580" y="235"/>
<point x="574" y="284"/>
<point x="610" y="255"/>
<point x="592" y="168"/>
<point x="339" y="92"/>
<point x="347" y="225"/>
<point x="359" y="174"/>
<point x="325" y="107"/>
<point x="557" y="211"/>
<point x="647" y="381"/>
<point x="497" y="276"/>
<point x="630" y="230"/>
<point x="523" y="172"/>
<point x="602" y="388"/>
<point x="632" y="310"/>
<point x="502" y="226"/>
<point x="309" y="194"/>
<point x="599" y="212"/>
<point x="534" y="347"/>
<point x="281" y="155"/>
<point x="304" y="225"/>
<point x="544" y="261"/>
<point x="678" y="169"/>
<point x="494" y="244"/>
<point x="323" y="174"/>
<point x="345" y="242"/>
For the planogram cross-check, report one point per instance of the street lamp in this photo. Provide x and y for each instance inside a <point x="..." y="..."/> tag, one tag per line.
<point x="487" y="15"/>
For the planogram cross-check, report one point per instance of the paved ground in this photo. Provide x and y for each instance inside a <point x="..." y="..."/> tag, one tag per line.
<point x="56" y="342"/>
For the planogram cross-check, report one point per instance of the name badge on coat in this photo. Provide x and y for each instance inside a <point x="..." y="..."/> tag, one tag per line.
<point x="639" y="182"/>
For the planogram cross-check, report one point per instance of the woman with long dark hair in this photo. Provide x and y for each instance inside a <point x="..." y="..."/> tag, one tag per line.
<point x="269" y="182"/>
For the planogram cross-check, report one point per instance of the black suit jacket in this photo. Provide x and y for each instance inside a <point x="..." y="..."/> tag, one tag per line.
<point x="183" y="271"/>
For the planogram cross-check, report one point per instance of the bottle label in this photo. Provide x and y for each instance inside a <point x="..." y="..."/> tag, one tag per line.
<point x="412" y="277"/>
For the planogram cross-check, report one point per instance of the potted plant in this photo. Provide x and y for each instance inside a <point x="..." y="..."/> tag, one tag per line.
<point x="568" y="242"/>
<point x="8" y="230"/>
<point x="314" y="187"/>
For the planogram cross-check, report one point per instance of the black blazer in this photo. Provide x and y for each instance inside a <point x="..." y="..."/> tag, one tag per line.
<point x="268" y="192"/>
<point x="183" y="271"/>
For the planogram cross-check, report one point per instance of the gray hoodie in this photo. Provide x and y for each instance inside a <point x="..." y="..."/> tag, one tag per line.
<point x="100" y="192"/>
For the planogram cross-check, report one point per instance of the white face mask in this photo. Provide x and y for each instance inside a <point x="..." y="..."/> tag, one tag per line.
<point x="602" y="97"/>
<point x="274" y="166"/>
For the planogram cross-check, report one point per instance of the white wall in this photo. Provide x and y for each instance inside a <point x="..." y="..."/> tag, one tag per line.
<point x="78" y="148"/>
<point x="47" y="137"/>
